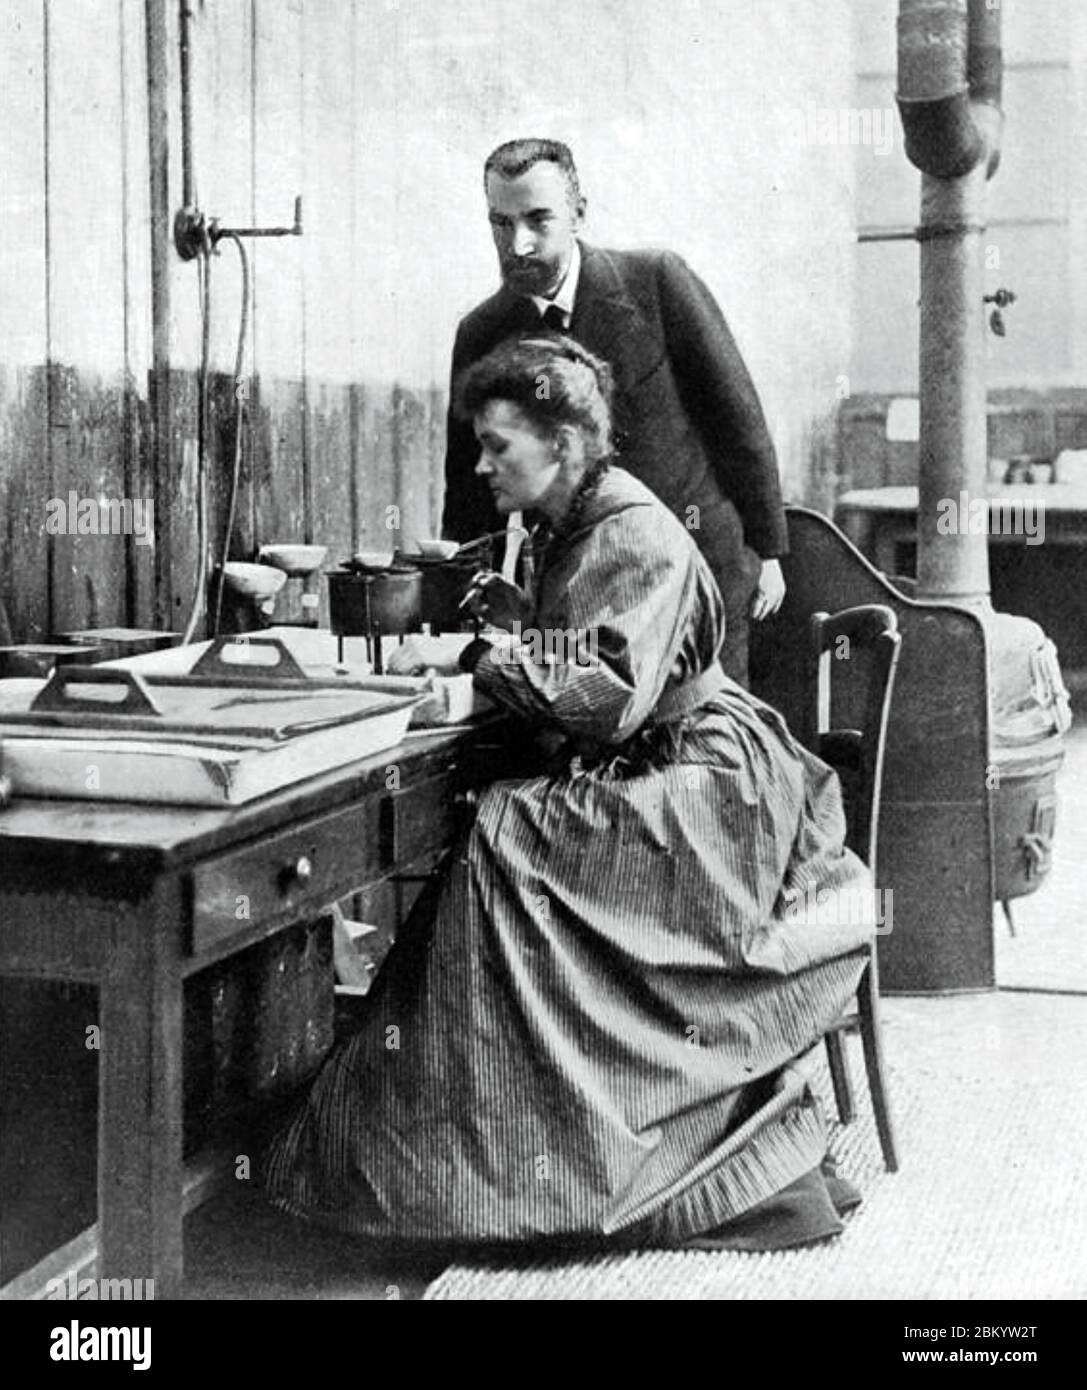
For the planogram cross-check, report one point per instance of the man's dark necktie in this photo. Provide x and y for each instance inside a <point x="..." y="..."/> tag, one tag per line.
<point x="554" y="318"/>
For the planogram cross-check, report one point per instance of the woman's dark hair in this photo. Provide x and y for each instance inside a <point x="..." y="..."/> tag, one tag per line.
<point x="552" y="379"/>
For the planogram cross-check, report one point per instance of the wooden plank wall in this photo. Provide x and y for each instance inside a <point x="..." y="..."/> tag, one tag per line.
<point x="24" y="455"/>
<point x="331" y="435"/>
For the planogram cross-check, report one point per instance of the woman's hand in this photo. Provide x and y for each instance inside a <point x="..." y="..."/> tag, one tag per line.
<point x="433" y="709"/>
<point x="420" y="654"/>
<point x="497" y="601"/>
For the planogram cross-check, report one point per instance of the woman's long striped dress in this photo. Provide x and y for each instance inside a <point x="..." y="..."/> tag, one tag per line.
<point x="586" y="1029"/>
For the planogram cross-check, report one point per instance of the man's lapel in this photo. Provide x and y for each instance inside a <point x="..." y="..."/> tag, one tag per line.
<point x="608" y="321"/>
<point x="515" y="313"/>
<point x="502" y="316"/>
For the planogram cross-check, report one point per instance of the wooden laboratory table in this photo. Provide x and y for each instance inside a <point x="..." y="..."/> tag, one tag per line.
<point x="134" y="898"/>
<point x="882" y="521"/>
<point x="1044" y="581"/>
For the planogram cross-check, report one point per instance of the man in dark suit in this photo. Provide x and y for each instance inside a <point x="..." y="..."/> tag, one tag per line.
<point x="688" y="422"/>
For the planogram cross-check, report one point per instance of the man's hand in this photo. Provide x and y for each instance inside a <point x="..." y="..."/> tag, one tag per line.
<point x="497" y="601"/>
<point x="769" y="592"/>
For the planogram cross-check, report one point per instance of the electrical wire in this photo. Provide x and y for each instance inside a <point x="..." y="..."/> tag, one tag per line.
<point x="239" y="413"/>
<point x="203" y="269"/>
<point x="203" y="432"/>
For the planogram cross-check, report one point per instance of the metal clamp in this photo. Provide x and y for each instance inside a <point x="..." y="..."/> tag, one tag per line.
<point x="1037" y="850"/>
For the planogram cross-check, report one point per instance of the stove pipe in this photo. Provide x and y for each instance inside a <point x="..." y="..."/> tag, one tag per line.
<point x="949" y="78"/>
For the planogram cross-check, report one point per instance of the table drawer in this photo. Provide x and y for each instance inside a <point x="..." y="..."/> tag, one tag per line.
<point x="284" y="876"/>
<point x="422" y="818"/>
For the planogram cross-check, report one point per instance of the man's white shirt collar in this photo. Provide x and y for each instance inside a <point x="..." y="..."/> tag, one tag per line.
<point x="567" y="291"/>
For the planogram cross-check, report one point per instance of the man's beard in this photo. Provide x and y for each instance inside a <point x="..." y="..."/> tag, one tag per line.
<point x="529" y="276"/>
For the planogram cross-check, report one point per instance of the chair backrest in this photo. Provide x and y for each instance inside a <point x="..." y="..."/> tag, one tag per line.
<point x="861" y="645"/>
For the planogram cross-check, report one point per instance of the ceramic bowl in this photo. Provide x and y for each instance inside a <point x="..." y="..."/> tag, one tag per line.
<point x="294" y="559"/>
<point x="438" y="550"/>
<point x="258" y="582"/>
<point x="372" y="559"/>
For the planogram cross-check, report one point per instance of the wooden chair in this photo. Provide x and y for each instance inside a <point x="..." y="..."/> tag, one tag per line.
<point x="853" y="657"/>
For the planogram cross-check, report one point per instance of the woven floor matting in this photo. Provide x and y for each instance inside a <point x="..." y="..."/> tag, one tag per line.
<point x="967" y="1217"/>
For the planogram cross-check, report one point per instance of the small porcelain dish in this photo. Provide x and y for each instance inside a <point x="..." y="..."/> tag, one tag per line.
<point x="294" y="560"/>
<point x="258" y="582"/>
<point x="371" y="560"/>
<point x="438" y="550"/>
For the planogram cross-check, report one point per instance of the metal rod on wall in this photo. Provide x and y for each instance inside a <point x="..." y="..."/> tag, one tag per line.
<point x="161" y="251"/>
<point x="887" y="234"/>
<point x="188" y="192"/>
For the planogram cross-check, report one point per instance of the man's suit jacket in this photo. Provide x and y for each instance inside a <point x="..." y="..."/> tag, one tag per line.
<point x="687" y="419"/>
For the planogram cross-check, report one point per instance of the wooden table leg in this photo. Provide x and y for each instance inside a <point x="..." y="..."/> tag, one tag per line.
<point x="140" y="1096"/>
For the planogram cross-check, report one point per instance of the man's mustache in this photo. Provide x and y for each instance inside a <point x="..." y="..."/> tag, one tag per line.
<point x="512" y="266"/>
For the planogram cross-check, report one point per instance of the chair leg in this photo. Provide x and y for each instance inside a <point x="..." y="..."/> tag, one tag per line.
<point x="839" y="1075"/>
<point x="868" y="1008"/>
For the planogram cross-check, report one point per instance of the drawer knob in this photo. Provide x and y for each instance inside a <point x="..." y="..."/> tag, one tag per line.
<point x="301" y="871"/>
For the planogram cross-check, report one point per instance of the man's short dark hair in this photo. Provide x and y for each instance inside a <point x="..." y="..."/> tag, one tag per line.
<point x="516" y="157"/>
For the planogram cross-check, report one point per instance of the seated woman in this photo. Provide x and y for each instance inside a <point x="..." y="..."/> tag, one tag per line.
<point x="587" y="1029"/>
